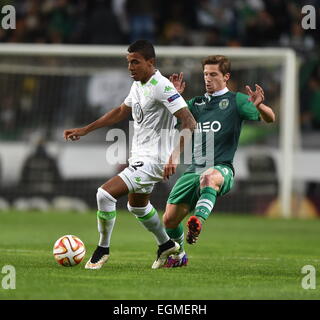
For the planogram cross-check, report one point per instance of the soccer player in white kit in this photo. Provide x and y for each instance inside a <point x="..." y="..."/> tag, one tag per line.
<point x="154" y="104"/>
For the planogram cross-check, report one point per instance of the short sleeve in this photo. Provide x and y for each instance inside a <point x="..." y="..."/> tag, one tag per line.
<point x="246" y="108"/>
<point x="167" y="94"/>
<point x="128" y="99"/>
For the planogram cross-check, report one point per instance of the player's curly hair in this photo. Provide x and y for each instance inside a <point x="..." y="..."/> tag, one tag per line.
<point x="223" y="62"/>
<point x="144" y="47"/>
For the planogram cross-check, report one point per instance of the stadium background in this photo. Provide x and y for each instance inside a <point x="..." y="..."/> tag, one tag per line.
<point x="41" y="97"/>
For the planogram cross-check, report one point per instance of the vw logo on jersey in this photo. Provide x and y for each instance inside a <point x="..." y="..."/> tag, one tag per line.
<point x="223" y="104"/>
<point x="138" y="112"/>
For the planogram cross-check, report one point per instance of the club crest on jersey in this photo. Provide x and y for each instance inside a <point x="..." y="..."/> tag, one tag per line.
<point x="174" y="97"/>
<point x="138" y="112"/>
<point x="223" y="104"/>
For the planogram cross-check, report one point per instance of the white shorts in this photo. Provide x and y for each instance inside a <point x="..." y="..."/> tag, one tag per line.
<point x="141" y="176"/>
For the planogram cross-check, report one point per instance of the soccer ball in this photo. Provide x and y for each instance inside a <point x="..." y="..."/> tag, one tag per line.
<point x="69" y="250"/>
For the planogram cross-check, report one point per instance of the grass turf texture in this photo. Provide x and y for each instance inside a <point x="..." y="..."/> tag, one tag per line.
<point x="236" y="257"/>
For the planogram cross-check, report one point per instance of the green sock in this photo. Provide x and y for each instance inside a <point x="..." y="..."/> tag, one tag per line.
<point x="205" y="203"/>
<point x="177" y="235"/>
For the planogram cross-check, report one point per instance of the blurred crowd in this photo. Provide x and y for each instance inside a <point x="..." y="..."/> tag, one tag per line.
<point x="178" y="22"/>
<point x="257" y="23"/>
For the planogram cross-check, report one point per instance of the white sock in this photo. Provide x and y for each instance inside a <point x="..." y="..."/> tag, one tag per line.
<point x="149" y="218"/>
<point x="105" y="228"/>
<point x="106" y="216"/>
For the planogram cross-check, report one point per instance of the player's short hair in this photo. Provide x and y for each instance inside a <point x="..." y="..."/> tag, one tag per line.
<point x="144" y="47"/>
<point x="223" y="62"/>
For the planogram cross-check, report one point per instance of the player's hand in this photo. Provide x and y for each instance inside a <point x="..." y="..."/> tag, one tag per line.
<point x="256" y="97"/>
<point x="169" y="170"/>
<point x="177" y="81"/>
<point x="74" y="134"/>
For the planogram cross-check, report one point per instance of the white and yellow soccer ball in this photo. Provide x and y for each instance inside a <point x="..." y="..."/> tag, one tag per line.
<point x="69" y="250"/>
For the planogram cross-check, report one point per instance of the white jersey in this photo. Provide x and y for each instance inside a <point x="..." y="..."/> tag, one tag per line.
<point x="153" y="105"/>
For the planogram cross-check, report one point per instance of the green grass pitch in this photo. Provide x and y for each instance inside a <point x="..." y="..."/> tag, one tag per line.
<point x="236" y="257"/>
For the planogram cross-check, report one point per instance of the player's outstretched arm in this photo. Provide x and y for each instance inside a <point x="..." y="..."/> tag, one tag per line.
<point x="257" y="97"/>
<point x="188" y="124"/>
<point x="186" y="119"/>
<point x="266" y="113"/>
<point x="112" y="117"/>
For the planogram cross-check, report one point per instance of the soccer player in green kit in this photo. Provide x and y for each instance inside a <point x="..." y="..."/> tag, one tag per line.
<point x="219" y="114"/>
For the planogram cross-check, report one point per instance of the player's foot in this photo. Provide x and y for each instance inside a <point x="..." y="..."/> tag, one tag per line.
<point x="177" y="260"/>
<point x="194" y="229"/>
<point x="164" y="251"/>
<point x="98" y="259"/>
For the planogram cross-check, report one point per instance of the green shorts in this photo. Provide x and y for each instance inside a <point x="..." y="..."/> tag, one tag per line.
<point x="187" y="188"/>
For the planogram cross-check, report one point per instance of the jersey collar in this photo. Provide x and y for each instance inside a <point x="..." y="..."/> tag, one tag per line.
<point x="216" y="94"/>
<point x="152" y="79"/>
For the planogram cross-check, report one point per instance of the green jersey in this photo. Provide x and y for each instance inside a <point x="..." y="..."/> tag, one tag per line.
<point x="219" y="120"/>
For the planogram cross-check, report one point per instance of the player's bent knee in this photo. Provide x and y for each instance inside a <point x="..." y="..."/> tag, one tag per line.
<point x="212" y="179"/>
<point x="170" y="222"/>
<point x="206" y="180"/>
<point x="140" y="212"/>
<point x="147" y="215"/>
<point x="106" y="202"/>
